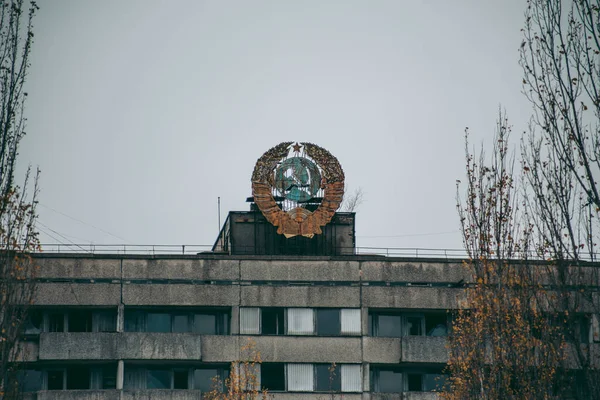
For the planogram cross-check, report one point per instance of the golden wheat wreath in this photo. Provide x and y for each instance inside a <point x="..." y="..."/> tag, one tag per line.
<point x="298" y="220"/>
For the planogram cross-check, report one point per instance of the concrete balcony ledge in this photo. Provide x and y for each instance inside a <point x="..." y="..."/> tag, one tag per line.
<point x="78" y="395"/>
<point x="114" y="346"/>
<point x="426" y="349"/>
<point x="316" y="396"/>
<point x="161" y="394"/>
<point x="405" y="396"/>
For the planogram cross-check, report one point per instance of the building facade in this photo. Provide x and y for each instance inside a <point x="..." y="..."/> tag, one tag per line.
<point x="113" y="326"/>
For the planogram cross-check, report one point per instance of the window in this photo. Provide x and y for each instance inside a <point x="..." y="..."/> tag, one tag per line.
<point x="398" y="323"/>
<point x="177" y="377"/>
<point x="328" y="378"/>
<point x="272" y="321"/>
<point x="78" y="378"/>
<point x="403" y="379"/>
<point x="299" y="321"/>
<point x="74" y="320"/>
<point x="328" y="322"/>
<point x="386" y="380"/>
<point x="104" y="377"/>
<point x="56" y="379"/>
<point x="273" y="376"/>
<point x="210" y="322"/>
<point x="158" y="378"/>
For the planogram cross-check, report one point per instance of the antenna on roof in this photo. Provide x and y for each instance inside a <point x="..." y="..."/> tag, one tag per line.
<point x="219" y="211"/>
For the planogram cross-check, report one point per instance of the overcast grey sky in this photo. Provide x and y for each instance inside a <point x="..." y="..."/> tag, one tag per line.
<point x="142" y="113"/>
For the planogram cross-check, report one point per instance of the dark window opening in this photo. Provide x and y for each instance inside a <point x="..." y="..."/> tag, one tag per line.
<point x="78" y="378"/>
<point x="272" y="321"/>
<point x="105" y="321"/>
<point x="435" y="382"/>
<point x="415" y="382"/>
<point x="204" y="323"/>
<point x="80" y="321"/>
<point x="414" y="326"/>
<point x="436" y="324"/>
<point x="56" y="322"/>
<point x="56" y="380"/>
<point x="328" y="378"/>
<point x="34" y="323"/>
<point x="328" y="321"/>
<point x="109" y="377"/>
<point x="180" y="379"/>
<point x="273" y="376"/>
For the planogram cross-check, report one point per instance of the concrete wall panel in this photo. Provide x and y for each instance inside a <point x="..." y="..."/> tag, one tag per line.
<point x="382" y="350"/>
<point x="180" y="295"/>
<point x="425" y="349"/>
<point x="430" y="272"/>
<point x="307" y="349"/>
<point x="411" y="297"/>
<point x="79" y="395"/>
<point x="79" y="268"/>
<point x="329" y="271"/>
<point x="76" y="294"/>
<point x="113" y="346"/>
<point x="161" y="395"/>
<point x="193" y="269"/>
<point x="300" y="296"/>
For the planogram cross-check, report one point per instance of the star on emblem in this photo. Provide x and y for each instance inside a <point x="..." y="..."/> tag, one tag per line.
<point x="296" y="147"/>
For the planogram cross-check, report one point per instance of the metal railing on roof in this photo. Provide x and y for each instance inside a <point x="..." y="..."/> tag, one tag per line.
<point x="185" y="249"/>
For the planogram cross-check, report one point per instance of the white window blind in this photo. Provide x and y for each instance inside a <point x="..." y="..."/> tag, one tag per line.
<point x="300" y="321"/>
<point x="300" y="377"/>
<point x="351" y="320"/>
<point x="249" y="321"/>
<point x="351" y="378"/>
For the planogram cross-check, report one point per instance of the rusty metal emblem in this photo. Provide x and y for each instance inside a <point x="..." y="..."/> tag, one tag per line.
<point x="290" y="180"/>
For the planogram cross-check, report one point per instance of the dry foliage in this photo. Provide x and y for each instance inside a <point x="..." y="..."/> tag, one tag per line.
<point x="18" y="237"/>
<point x="243" y="381"/>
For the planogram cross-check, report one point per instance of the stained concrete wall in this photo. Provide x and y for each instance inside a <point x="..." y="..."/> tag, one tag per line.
<point x="300" y="296"/>
<point x="78" y="294"/>
<point x="192" y="269"/>
<point x="180" y="295"/>
<point x="314" y="271"/>
<point x="411" y="297"/>
<point x="424" y="349"/>
<point x="413" y="271"/>
<point x="119" y="346"/>
<point x="79" y="395"/>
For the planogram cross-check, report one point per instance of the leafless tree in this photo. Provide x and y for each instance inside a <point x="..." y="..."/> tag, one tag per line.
<point x="560" y="56"/>
<point x="500" y="346"/>
<point x="18" y="237"/>
<point x="352" y="201"/>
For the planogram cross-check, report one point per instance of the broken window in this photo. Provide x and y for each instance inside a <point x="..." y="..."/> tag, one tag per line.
<point x="79" y="320"/>
<point x="180" y="379"/>
<point x="386" y="380"/>
<point x="210" y="322"/>
<point x="56" y="322"/>
<point x="398" y="323"/>
<point x="157" y="378"/>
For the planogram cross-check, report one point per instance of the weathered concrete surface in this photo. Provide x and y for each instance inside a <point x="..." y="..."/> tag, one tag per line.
<point x="430" y="272"/>
<point x="198" y="270"/>
<point x="161" y="395"/>
<point x="180" y="295"/>
<point x="29" y="351"/>
<point x="75" y="294"/>
<point x="220" y="348"/>
<point x="307" y="349"/>
<point x="115" y="346"/>
<point x="426" y="349"/>
<point x="421" y="396"/>
<point x="79" y="268"/>
<point x="315" y="396"/>
<point x="300" y="296"/>
<point x="411" y="297"/>
<point x="328" y="271"/>
<point x="382" y="350"/>
<point x="78" y="395"/>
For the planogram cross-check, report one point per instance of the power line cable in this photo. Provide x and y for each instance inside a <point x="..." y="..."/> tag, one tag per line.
<point x="83" y="222"/>
<point x="411" y="235"/>
<point x="67" y="239"/>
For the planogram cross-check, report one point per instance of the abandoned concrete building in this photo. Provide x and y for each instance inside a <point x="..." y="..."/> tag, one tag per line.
<point x="323" y="318"/>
